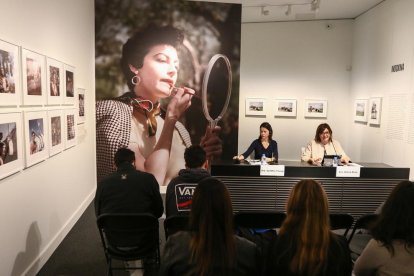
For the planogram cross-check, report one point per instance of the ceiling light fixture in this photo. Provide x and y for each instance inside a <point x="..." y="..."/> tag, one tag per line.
<point x="288" y="10"/>
<point x="265" y="11"/>
<point x="315" y="5"/>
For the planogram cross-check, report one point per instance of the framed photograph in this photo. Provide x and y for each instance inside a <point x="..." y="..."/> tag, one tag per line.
<point x="69" y="84"/>
<point x="70" y="127"/>
<point x="255" y="106"/>
<point x="10" y="92"/>
<point x="374" y="111"/>
<point x="361" y="110"/>
<point x="54" y="70"/>
<point x="81" y="105"/>
<point x="11" y="151"/>
<point x="36" y="136"/>
<point x="316" y="108"/>
<point x="285" y="108"/>
<point x="34" y="78"/>
<point x="55" y="119"/>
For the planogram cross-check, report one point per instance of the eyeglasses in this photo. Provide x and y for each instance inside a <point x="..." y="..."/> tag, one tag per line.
<point x="325" y="133"/>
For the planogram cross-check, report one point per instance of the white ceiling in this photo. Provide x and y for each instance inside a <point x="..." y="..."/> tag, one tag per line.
<point x="301" y="9"/>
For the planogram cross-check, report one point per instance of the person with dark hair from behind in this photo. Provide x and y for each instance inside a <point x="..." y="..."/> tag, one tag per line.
<point x="391" y="251"/>
<point x="128" y="190"/>
<point x="262" y="145"/>
<point x="306" y="245"/>
<point x="180" y="190"/>
<point x="210" y="247"/>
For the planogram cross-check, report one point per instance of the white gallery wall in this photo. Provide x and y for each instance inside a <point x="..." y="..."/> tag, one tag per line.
<point x="349" y="60"/>
<point x="40" y="204"/>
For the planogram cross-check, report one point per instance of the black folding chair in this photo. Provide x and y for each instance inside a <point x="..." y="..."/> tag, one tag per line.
<point x="175" y="223"/>
<point x="358" y="240"/>
<point x="130" y="237"/>
<point x="341" y="221"/>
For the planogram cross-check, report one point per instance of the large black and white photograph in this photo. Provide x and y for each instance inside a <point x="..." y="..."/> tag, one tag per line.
<point x="285" y="108"/>
<point x="9" y="74"/>
<point x="11" y="153"/>
<point x="34" y="78"/>
<point x="36" y="137"/>
<point x="361" y="110"/>
<point x="374" y="111"/>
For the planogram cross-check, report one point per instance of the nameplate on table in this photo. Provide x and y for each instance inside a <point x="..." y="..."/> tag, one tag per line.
<point x="348" y="171"/>
<point x="274" y="170"/>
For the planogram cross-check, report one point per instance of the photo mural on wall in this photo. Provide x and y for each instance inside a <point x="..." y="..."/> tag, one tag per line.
<point x="202" y="30"/>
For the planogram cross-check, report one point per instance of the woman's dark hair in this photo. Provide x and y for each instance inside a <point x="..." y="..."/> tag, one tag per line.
<point x="211" y="220"/>
<point x="124" y="155"/>
<point x="321" y="128"/>
<point x="138" y="45"/>
<point x="396" y="220"/>
<point x="267" y="126"/>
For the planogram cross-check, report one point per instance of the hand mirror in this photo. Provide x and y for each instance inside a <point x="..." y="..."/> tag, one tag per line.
<point x="216" y="89"/>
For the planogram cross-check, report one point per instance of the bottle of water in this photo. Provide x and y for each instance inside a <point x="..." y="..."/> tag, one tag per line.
<point x="335" y="162"/>
<point x="263" y="160"/>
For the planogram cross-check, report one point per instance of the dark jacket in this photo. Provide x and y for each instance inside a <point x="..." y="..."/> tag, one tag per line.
<point x="128" y="191"/>
<point x="259" y="150"/>
<point x="176" y="259"/>
<point x="339" y="261"/>
<point x="180" y="191"/>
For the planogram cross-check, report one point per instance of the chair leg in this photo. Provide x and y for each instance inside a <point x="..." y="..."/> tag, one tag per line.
<point x="109" y="264"/>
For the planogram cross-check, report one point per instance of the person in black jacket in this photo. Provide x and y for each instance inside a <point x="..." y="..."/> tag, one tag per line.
<point x="180" y="190"/>
<point x="128" y="190"/>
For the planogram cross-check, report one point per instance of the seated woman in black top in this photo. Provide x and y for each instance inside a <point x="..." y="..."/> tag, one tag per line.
<point x="305" y="244"/>
<point x="263" y="145"/>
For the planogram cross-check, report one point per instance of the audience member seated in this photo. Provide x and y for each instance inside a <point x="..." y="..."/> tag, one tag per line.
<point x="210" y="248"/>
<point x="391" y="251"/>
<point x="305" y="245"/>
<point x="128" y="190"/>
<point x="323" y="144"/>
<point x="181" y="188"/>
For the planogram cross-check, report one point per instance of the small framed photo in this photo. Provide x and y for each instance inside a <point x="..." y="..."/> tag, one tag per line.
<point x="54" y="81"/>
<point x="374" y="111"/>
<point x="70" y="127"/>
<point x="11" y="151"/>
<point x="34" y="78"/>
<point x="55" y="118"/>
<point x="69" y="84"/>
<point x="361" y="110"/>
<point x="285" y="108"/>
<point x="10" y="92"/>
<point x="316" y="108"/>
<point x="81" y="105"/>
<point x="255" y="106"/>
<point x="36" y="137"/>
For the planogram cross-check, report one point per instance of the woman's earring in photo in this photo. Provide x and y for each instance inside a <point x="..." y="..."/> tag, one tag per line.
<point x="136" y="79"/>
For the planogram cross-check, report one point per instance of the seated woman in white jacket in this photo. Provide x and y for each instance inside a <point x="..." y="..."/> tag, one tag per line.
<point x="322" y="145"/>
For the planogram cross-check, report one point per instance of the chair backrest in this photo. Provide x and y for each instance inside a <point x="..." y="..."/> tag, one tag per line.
<point x="363" y="222"/>
<point x="259" y="219"/>
<point x="129" y="236"/>
<point x="341" y="221"/>
<point x="175" y="223"/>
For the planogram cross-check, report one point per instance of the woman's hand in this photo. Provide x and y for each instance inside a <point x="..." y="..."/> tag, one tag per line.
<point x="179" y="103"/>
<point x="316" y="161"/>
<point x="238" y="157"/>
<point x="211" y="143"/>
<point x="345" y="160"/>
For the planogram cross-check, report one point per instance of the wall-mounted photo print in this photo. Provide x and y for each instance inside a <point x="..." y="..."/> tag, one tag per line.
<point x="255" y="106"/>
<point x="34" y="78"/>
<point x="11" y="152"/>
<point x="285" y="108"/>
<point x="81" y="105"/>
<point x="55" y="131"/>
<point x="69" y="84"/>
<point x="9" y="74"/>
<point x="36" y="137"/>
<point x="316" y="108"/>
<point x="54" y="81"/>
<point x="70" y="127"/>
<point x="374" y="111"/>
<point x="361" y="110"/>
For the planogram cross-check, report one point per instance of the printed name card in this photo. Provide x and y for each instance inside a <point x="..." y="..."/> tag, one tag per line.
<point x="348" y="171"/>
<point x="275" y="170"/>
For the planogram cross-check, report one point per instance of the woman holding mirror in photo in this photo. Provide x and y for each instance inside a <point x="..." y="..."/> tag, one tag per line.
<point x="262" y="145"/>
<point x="135" y="120"/>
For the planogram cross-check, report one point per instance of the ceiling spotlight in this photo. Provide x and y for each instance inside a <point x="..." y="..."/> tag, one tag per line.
<point x="288" y="10"/>
<point x="315" y="5"/>
<point x="265" y="11"/>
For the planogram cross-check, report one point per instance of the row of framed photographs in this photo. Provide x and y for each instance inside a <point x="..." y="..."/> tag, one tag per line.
<point x="30" y="78"/>
<point x="286" y="107"/>
<point x="368" y="110"/>
<point x="44" y="133"/>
